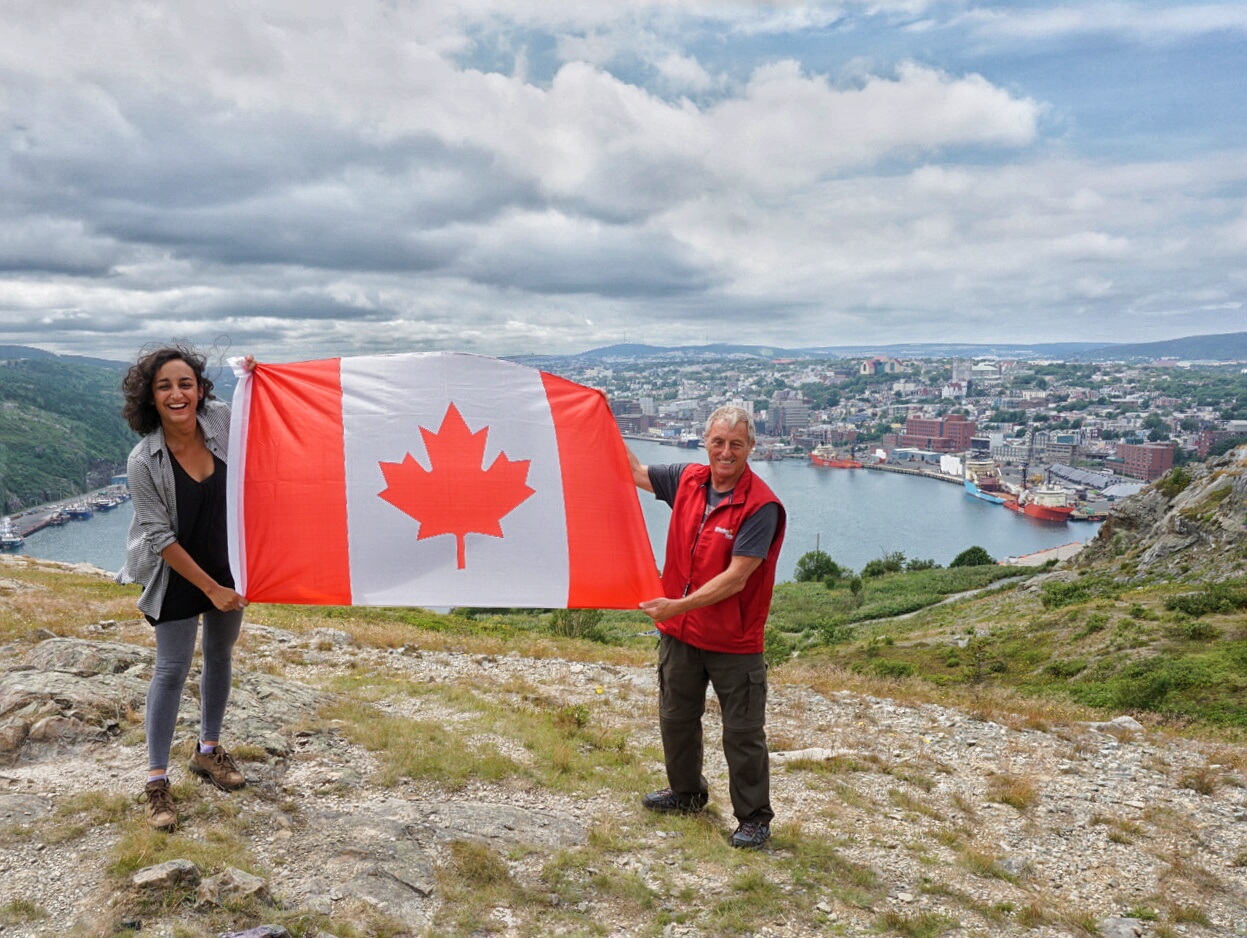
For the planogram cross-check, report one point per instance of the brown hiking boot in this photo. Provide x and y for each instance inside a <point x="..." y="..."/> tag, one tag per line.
<point x="219" y="768"/>
<point x="161" y="814"/>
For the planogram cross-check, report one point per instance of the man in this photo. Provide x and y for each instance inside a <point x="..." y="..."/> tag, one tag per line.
<point x="723" y="544"/>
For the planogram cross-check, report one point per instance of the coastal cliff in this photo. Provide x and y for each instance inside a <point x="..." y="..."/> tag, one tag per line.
<point x="1189" y="525"/>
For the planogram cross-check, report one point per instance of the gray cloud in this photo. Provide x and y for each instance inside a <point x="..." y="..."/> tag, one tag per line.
<point x="318" y="179"/>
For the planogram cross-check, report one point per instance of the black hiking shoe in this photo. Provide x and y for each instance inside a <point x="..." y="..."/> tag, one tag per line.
<point x="669" y="802"/>
<point x="751" y="835"/>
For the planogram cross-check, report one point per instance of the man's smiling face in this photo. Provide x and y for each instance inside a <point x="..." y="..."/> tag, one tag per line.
<point x="729" y="451"/>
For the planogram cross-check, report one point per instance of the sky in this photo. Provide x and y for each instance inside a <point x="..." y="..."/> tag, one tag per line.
<point x="301" y="179"/>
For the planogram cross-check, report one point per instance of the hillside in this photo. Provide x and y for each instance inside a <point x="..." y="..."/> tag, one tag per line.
<point x="61" y="430"/>
<point x="1150" y="618"/>
<point x="411" y="774"/>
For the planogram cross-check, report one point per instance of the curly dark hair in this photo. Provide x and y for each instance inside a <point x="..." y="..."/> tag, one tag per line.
<point x="140" y="406"/>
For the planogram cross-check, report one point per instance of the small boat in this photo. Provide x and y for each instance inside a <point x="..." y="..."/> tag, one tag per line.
<point x="1082" y="514"/>
<point x="1045" y="502"/>
<point x="825" y="457"/>
<point x="9" y="538"/>
<point x="103" y="502"/>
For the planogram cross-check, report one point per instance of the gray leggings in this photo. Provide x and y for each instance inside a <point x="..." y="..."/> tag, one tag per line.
<point x="175" y="647"/>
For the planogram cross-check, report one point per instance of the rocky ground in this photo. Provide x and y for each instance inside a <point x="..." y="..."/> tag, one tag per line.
<point x="893" y="817"/>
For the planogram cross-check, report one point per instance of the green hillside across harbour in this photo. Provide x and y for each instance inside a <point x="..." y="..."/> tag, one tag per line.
<point x="61" y="430"/>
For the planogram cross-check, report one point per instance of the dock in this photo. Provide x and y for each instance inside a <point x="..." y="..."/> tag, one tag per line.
<point x="905" y="470"/>
<point x="1041" y="557"/>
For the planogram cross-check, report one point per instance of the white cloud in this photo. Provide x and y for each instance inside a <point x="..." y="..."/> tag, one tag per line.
<point x="683" y="72"/>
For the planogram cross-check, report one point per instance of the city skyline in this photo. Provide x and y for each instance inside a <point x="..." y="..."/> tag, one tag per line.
<point x="526" y="178"/>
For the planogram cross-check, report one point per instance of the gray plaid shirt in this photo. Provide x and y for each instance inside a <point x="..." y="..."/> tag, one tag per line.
<point x="155" y="524"/>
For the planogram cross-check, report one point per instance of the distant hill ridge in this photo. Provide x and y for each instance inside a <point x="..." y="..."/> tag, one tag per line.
<point x="1223" y="347"/>
<point x="1226" y="347"/>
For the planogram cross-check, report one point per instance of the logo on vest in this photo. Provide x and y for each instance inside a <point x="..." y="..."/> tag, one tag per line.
<point x="726" y="532"/>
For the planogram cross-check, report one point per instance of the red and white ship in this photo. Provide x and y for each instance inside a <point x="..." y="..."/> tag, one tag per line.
<point x="1045" y="502"/>
<point x="825" y="457"/>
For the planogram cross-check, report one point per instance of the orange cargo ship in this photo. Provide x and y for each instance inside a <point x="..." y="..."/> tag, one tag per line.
<point x="1045" y="502"/>
<point x="826" y="458"/>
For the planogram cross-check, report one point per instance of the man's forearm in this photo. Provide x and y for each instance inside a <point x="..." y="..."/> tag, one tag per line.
<point x="718" y="588"/>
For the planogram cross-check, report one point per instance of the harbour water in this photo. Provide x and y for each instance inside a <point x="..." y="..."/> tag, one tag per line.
<point x="100" y="540"/>
<point x="855" y="515"/>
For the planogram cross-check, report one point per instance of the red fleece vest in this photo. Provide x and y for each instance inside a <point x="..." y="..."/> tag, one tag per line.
<point x="699" y="550"/>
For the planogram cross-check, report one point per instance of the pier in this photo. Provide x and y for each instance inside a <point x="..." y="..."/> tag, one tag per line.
<point x="905" y="470"/>
<point x="27" y="522"/>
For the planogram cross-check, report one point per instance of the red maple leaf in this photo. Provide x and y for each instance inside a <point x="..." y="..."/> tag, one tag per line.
<point x="457" y="496"/>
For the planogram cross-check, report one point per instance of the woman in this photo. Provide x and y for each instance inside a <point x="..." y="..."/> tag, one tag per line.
<point x="178" y="550"/>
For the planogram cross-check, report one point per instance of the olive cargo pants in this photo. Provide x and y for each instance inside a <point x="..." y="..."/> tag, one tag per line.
<point x="739" y="682"/>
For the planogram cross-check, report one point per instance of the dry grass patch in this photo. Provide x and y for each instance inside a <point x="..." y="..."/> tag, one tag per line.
<point x="1120" y="830"/>
<point x="1018" y="791"/>
<point x="918" y="925"/>
<point x="1182" y="871"/>
<point x="21" y="912"/>
<point x="999" y="705"/>
<point x="985" y="864"/>
<point x="914" y="805"/>
<point x="474" y="881"/>
<point x="47" y="597"/>
<point x="1205" y="779"/>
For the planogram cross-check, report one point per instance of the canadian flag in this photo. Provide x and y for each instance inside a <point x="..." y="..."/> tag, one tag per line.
<point x="431" y="480"/>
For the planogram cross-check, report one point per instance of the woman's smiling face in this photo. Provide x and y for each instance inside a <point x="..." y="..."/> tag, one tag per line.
<point x="176" y="394"/>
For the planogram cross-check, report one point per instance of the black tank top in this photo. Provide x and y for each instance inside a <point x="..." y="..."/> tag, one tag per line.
<point x="202" y="534"/>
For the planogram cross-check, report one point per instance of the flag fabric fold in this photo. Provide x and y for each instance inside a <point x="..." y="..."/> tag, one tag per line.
<point x="432" y="480"/>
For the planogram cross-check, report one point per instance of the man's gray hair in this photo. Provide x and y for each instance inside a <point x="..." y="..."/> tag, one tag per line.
<point x="732" y="416"/>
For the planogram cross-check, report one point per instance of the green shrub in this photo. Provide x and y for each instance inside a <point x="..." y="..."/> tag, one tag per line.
<point x="972" y="557"/>
<point x="884" y="667"/>
<point x="778" y="646"/>
<point x="1173" y="482"/>
<point x="1201" y="631"/>
<point x="817" y="566"/>
<point x="1066" y="669"/>
<point x="893" y="562"/>
<point x="1216" y="598"/>
<point x="1146" y="685"/>
<point x="1096" y="622"/>
<point x="1056" y="593"/>
<point x="576" y="623"/>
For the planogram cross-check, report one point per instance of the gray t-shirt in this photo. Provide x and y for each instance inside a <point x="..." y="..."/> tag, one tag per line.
<point x="756" y="533"/>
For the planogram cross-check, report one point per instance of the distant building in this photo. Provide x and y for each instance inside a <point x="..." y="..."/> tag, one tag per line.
<point x="879" y="366"/>
<point x="623" y="405"/>
<point x="788" y="416"/>
<point x="985" y="373"/>
<point x="1207" y="439"/>
<point x="1147" y="461"/>
<point x="951" y="434"/>
<point x="634" y="423"/>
